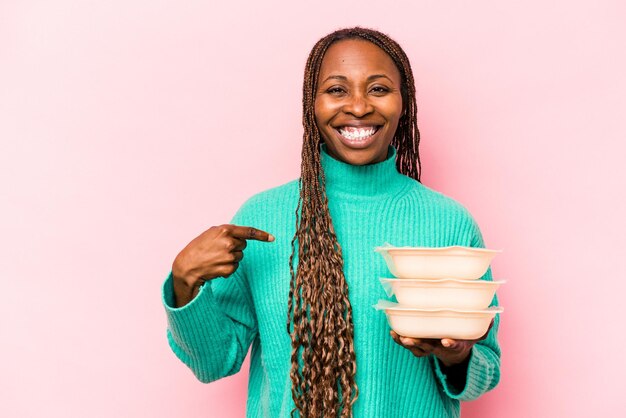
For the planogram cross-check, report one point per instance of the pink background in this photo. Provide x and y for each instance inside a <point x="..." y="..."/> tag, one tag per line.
<point x="129" y="127"/>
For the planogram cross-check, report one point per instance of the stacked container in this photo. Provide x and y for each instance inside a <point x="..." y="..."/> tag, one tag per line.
<point x="438" y="291"/>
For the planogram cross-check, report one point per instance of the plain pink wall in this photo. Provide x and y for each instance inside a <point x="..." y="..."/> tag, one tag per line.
<point x="128" y="127"/>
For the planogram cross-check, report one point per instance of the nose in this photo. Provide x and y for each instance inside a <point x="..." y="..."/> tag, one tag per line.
<point x="358" y="105"/>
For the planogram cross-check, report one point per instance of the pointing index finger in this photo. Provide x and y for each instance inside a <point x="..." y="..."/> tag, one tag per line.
<point x="248" y="232"/>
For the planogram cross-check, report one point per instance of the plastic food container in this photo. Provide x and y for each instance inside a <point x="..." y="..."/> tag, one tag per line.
<point x="438" y="323"/>
<point x="467" y="263"/>
<point x="433" y="294"/>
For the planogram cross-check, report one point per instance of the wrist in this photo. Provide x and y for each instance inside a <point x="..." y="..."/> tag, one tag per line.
<point x="458" y="360"/>
<point x="183" y="292"/>
<point x="180" y="273"/>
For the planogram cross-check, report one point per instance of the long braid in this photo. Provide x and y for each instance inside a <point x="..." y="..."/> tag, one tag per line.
<point x="319" y="321"/>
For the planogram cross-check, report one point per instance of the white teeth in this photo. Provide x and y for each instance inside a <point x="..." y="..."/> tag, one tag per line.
<point x="353" y="133"/>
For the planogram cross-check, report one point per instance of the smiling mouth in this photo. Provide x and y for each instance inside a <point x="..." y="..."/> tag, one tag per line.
<point x="357" y="134"/>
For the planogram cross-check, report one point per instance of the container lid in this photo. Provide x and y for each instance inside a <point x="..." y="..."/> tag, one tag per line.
<point x="386" y="304"/>
<point x="430" y="283"/>
<point x="451" y="250"/>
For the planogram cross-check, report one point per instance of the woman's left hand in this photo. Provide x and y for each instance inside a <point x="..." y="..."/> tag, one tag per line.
<point x="450" y="352"/>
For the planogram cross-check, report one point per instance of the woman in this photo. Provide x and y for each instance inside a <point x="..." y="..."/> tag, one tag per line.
<point x="311" y="240"/>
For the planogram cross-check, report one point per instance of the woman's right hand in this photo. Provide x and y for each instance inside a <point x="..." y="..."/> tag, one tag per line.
<point x="214" y="253"/>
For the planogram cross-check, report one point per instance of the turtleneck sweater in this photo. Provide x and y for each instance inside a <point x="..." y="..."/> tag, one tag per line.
<point x="369" y="205"/>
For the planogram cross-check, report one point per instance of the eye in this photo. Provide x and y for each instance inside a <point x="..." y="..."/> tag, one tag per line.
<point x="336" y="91"/>
<point x="379" y="90"/>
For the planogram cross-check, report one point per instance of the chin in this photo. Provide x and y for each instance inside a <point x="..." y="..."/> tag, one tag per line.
<point x="361" y="157"/>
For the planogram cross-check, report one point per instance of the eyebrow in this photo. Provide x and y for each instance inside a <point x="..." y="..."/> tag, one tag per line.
<point x="369" y="79"/>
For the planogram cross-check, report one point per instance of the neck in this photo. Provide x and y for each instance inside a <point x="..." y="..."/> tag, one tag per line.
<point x="362" y="181"/>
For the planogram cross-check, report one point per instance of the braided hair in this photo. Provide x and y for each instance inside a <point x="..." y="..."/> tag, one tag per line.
<point x="323" y="361"/>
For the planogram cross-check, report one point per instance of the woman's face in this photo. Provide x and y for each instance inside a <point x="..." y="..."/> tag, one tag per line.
<point x="358" y="102"/>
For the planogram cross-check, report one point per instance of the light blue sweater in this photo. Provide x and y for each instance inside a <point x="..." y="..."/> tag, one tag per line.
<point x="369" y="205"/>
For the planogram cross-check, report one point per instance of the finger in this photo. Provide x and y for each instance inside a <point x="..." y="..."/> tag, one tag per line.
<point x="248" y="232"/>
<point x="450" y="344"/>
<point x="406" y="341"/>
<point x="395" y="337"/>
<point x="239" y="244"/>
<point x="403" y="341"/>
<point x="424" y="345"/>
<point x="238" y="256"/>
<point x="226" y="270"/>
<point x="427" y="346"/>
<point x="416" y="345"/>
<point x="418" y="352"/>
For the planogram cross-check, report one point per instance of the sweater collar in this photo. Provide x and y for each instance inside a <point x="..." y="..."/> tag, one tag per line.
<point x="372" y="180"/>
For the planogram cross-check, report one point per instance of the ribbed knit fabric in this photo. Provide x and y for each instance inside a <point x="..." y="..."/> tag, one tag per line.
<point x="369" y="205"/>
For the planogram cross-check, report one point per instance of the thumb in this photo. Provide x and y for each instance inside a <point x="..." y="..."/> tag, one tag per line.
<point x="448" y="343"/>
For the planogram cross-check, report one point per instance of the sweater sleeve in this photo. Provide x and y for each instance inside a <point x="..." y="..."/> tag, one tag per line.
<point x="483" y="370"/>
<point x="212" y="333"/>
